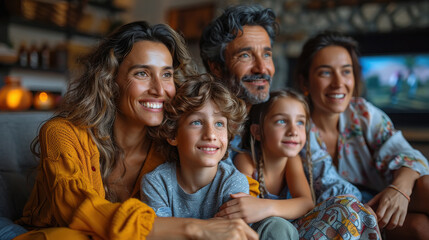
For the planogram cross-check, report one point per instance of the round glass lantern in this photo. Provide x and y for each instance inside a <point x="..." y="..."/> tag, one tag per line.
<point x="13" y="96"/>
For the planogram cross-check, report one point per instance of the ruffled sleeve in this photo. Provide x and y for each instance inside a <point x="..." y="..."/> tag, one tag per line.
<point x="389" y="149"/>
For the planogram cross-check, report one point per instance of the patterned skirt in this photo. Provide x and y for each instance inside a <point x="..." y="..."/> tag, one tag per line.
<point x="340" y="217"/>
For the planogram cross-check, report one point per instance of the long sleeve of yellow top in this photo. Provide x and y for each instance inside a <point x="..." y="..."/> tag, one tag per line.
<point x="69" y="192"/>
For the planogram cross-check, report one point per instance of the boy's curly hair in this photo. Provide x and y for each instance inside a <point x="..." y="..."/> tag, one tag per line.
<point x="190" y="97"/>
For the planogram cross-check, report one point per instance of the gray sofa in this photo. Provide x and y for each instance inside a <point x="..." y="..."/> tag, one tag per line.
<point x="17" y="163"/>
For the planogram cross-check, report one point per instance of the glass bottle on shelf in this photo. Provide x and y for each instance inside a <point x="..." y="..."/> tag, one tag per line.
<point x="61" y="56"/>
<point x="23" y="55"/>
<point x="45" y="56"/>
<point x="33" y="56"/>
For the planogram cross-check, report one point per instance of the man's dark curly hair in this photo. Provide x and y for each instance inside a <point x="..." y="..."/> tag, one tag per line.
<point x="226" y="27"/>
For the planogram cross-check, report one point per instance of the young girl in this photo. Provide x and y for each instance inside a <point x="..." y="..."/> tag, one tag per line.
<point x="275" y="133"/>
<point x="194" y="136"/>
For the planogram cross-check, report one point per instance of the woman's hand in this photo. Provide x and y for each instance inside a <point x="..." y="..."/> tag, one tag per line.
<point x="219" y="229"/>
<point x="197" y="229"/>
<point x="391" y="208"/>
<point x="244" y="206"/>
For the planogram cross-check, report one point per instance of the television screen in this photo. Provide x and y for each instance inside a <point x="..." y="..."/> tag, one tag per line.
<point x="397" y="83"/>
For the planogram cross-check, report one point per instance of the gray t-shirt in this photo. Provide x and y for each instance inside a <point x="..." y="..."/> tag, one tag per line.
<point x="161" y="191"/>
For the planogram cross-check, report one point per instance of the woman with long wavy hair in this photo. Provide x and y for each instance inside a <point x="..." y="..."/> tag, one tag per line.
<point x="95" y="149"/>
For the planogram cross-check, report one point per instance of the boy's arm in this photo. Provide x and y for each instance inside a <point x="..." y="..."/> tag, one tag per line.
<point x="233" y="182"/>
<point x="154" y="194"/>
<point x="232" y="209"/>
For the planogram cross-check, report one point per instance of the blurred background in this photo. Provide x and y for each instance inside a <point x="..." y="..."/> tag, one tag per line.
<point x="41" y="42"/>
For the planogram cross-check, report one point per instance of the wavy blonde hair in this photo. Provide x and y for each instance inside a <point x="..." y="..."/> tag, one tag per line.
<point x="90" y="101"/>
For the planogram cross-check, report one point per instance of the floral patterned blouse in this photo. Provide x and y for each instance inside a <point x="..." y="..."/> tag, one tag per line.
<point x="369" y="149"/>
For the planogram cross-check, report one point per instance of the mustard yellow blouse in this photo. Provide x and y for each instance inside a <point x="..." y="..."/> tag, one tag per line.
<point x="69" y="192"/>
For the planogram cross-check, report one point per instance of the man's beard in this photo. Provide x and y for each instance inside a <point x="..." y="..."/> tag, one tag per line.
<point x="260" y="96"/>
<point x="237" y="86"/>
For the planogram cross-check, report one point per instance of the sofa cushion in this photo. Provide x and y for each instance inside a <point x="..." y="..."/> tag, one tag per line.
<point x="17" y="163"/>
<point x="15" y="188"/>
<point x="18" y="131"/>
<point x="5" y="199"/>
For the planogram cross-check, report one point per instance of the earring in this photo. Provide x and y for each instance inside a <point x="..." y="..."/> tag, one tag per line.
<point x="306" y="93"/>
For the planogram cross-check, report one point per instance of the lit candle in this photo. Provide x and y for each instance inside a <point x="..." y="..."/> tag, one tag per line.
<point x="44" y="101"/>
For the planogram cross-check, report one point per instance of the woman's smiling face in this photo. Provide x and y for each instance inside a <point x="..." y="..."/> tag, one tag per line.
<point x="331" y="80"/>
<point x="145" y="79"/>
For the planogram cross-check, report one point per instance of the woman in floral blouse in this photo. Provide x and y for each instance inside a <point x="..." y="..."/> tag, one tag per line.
<point x="359" y="140"/>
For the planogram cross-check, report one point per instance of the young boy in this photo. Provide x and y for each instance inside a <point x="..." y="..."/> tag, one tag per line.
<point x="198" y="124"/>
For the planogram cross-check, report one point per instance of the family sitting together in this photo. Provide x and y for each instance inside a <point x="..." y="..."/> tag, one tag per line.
<point x="144" y="147"/>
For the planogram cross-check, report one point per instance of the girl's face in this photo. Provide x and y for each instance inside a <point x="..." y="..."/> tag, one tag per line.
<point x="145" y="79"/>
<point x="331" y="80"/>
<point x="202" y="137"/>
<point x="284" y="128"/>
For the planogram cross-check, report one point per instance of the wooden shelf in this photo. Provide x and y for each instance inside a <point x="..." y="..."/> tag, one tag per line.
<point x="50" y="70"/>
<point x="107" y="6"/>
<point x="68" y="30"/>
